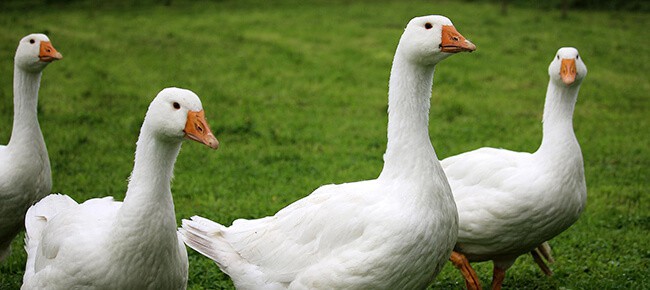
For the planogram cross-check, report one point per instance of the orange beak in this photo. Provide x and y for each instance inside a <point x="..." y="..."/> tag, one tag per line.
<point x="453" y="41"/>
<point x="568" y="71"/>
<point x="197" y="129"/>
<point x="47" y="52"/>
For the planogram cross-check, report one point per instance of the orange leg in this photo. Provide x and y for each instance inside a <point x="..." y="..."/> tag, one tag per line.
<point x="497" y="277"/>
<point x="471" y="279"/>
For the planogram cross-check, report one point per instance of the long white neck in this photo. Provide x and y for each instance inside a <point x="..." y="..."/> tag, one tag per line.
<point x="409" y="151"/>
<point x="559" y="138"/>
<point x="147" y="217"/>
<point x="26" y="133"/>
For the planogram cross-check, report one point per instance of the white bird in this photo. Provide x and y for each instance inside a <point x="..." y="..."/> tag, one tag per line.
<point x="373" y="234"/>
<point x="509" y="202"/>
<point x="105" y="244"/>
<point x="25" y="175"/>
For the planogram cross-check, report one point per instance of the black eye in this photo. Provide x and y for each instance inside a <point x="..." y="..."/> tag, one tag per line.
<point x="177" y="105"/>
<point x="558" y="57"/>
<point x="578" y="56"/>
<point x="32" y="41"/>
<point x="428" y="25"/>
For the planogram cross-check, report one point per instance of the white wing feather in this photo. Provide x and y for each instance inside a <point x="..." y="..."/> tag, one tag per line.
<point x="493" y="189"/>
<point x="279" y="247"/>
<point x="60" y="231"/>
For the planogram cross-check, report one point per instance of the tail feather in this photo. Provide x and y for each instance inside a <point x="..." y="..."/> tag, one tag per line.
<point x="205" y="237"/>
<point x="198" y="241"/>
<point x="36" y="220"/>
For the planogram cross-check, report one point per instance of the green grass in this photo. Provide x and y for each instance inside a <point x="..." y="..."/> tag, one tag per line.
<point x="296" y="92"/>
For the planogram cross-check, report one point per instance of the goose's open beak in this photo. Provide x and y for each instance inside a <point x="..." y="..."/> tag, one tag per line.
<point x="47" y="52"/>
<point x="568" y="71"/>
<point x="197" y="129"/>
<point x="453" y="41"/>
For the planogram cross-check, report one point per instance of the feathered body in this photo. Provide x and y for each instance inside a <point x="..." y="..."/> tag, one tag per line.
<point x="500" y="224"/>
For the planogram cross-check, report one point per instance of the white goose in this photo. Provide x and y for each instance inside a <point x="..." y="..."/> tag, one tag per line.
<point x="24" y="164"/>
<point x="105" y="244"/>
<point x="374" y="234"/>
<point x="509" y="202"/>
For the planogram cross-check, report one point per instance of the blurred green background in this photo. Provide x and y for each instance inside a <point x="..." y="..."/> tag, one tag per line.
<point x="296" y="92"/>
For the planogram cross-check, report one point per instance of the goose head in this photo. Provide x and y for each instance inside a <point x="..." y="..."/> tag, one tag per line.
<point x="429" y="39"/>
<point x="176" y="114"/>
<point x="34" y="52"/>
<point x="567" y="67"/>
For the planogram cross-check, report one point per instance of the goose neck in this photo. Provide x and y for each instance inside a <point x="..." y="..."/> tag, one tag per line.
<point x="557" y="124"/>
<point x="148" y="207"/>
<point x="409" y="151"/>
<point x="26" y="131"/>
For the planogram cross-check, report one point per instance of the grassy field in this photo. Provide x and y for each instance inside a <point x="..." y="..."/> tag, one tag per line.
<point x="296" y="92"/>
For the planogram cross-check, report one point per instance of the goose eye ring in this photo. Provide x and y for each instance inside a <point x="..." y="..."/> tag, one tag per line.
<point x="428" y="25"/>
<point x="176" y="105"/>
<point x="32" y="41"/>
